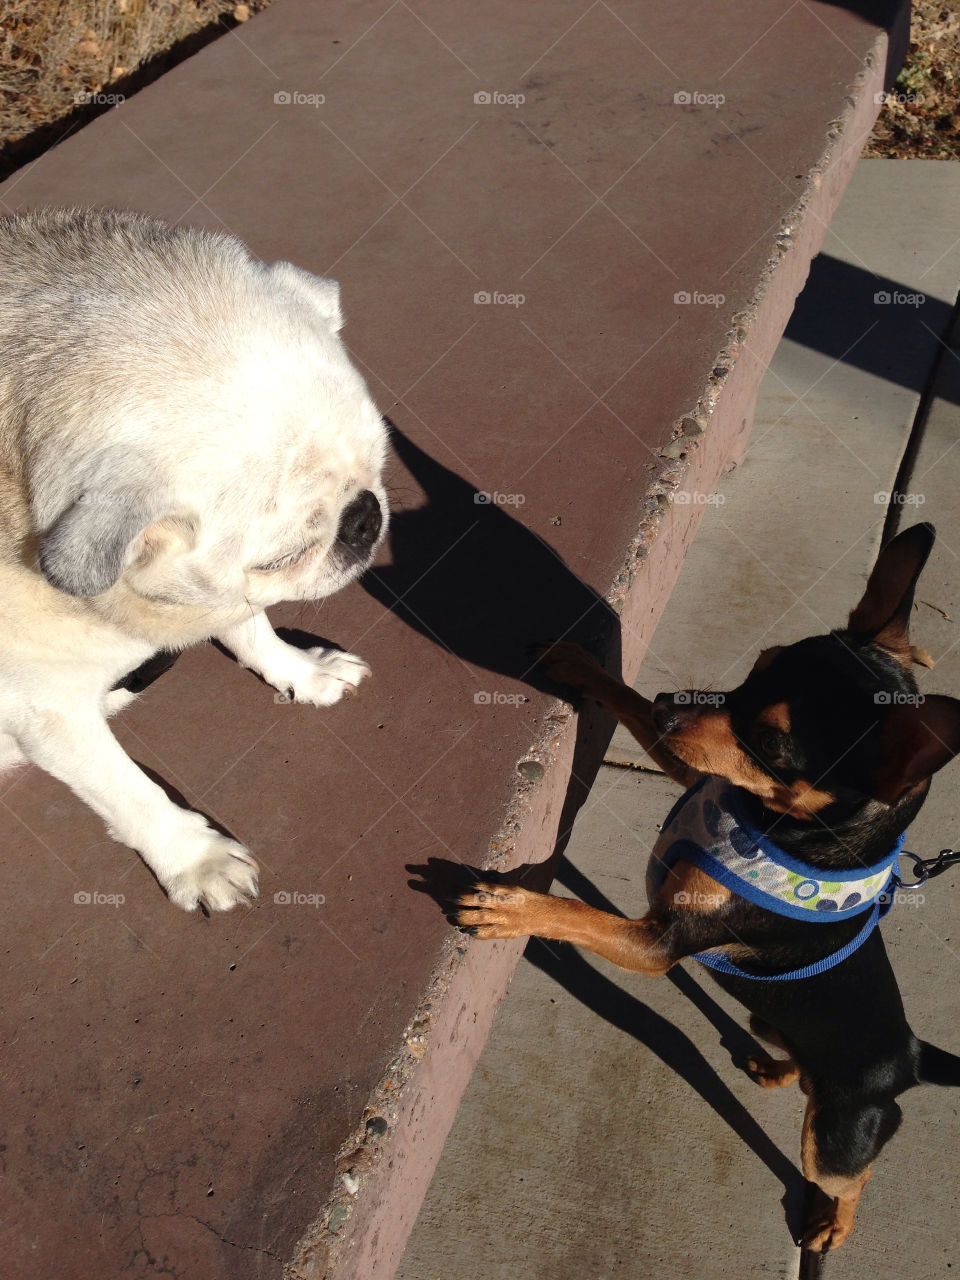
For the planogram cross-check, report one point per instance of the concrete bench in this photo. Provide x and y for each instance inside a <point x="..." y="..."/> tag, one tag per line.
<point x="569" y="239"/>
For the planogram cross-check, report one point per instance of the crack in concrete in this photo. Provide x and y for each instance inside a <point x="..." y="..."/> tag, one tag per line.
<point x="234" y="1244"/>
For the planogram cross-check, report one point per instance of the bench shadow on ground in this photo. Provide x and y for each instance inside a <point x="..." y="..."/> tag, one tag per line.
<point x="870" y="322"/>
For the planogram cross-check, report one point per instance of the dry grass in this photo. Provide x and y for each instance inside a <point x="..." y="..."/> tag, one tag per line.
<point x="922" y="114"/>
<point x="56" y="49"/>
<point x="57" y="54"/>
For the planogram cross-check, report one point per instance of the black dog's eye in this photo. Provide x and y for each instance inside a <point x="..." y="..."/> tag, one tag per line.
<point x="771" y="743"/>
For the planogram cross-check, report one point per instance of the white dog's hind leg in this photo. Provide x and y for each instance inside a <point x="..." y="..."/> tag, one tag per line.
<point x="195" y="864"/>
<point x="320" y="676"/>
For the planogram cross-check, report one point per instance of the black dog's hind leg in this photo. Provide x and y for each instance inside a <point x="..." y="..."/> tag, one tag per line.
<point x="841" y="1137"/>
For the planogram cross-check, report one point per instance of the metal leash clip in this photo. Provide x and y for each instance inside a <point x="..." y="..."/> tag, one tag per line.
<point x="925" y="868"/>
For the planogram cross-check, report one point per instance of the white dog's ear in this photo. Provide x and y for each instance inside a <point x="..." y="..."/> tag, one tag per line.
<point x="323" y="295"/>
<point x="92" y="542"/>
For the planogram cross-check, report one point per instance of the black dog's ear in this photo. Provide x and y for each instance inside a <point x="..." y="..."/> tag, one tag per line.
<point x="883" y="615"/>
<point x="915" y="741"/>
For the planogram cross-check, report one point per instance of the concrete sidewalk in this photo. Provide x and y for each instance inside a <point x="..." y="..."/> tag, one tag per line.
<point x="606" y="1131"/>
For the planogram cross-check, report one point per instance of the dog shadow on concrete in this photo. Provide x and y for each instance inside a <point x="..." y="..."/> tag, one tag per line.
<point x="443" y="880"/>
<point x="469" y="576"/>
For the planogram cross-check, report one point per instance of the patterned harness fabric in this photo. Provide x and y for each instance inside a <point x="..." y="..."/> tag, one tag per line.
<point x="707" y="827"/>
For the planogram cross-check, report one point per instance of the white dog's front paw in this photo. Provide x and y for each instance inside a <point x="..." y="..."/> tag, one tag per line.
<point x="219" y="877"/>
<point x="322" y="677"/>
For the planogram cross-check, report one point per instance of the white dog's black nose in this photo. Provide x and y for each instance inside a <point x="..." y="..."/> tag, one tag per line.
<point x="361" y="522"/>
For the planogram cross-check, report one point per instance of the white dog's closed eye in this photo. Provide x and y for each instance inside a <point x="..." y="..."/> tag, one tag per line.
<point x="193" y="452"/>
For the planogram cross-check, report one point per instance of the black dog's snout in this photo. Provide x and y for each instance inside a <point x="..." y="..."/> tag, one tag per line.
<point x="361" y="523"/>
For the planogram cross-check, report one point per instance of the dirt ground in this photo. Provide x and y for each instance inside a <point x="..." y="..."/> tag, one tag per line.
<point x="921" y="116"/>
<point x="64" y="61"/>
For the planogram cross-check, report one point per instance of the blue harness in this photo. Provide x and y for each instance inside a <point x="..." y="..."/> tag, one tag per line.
<point x="707" y="826"/>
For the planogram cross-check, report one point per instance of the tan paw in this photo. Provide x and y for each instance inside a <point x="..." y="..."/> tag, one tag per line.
<point x="773" y="1073"/>
<point x="827" y="1231"/>
<point x="494" y="911"/>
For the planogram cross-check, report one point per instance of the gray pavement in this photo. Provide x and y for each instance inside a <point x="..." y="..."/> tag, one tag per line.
<point x="606" y="1131"/>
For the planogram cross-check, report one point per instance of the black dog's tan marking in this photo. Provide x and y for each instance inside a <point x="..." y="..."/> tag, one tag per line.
<point x="835" y="752"/>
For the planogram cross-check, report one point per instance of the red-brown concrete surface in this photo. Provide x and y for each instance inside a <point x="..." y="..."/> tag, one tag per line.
<point x="175" y="1090"/>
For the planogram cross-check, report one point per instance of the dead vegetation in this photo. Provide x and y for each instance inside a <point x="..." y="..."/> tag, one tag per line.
<point x="64" y="61"/>
<point x="921" y="116"/>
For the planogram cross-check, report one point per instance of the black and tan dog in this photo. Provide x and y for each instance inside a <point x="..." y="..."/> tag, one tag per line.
<point x="823" y="756"/>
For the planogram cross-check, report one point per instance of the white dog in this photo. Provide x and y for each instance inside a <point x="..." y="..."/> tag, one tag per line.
<point x="183" y="442"/>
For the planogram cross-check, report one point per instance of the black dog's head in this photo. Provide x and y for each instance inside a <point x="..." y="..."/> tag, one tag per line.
<point x="834" y="721"/>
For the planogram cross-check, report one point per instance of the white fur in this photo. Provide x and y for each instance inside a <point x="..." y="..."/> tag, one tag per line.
<point x="181" y="433"/>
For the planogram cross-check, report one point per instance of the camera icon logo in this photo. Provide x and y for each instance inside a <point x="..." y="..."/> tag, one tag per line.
<point x="482" y="698"/>
<point x="482" y="98"/>
<point x="282" y="898"/>
<point x="282" y="98"/>
<point x="82" y="899"/>
<point x="683" y="698"/>
<point x="482" y="298"/>
<point x="682" y="298"/>
<point x="682" y="98"/>
<point x="883" y="298"/>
